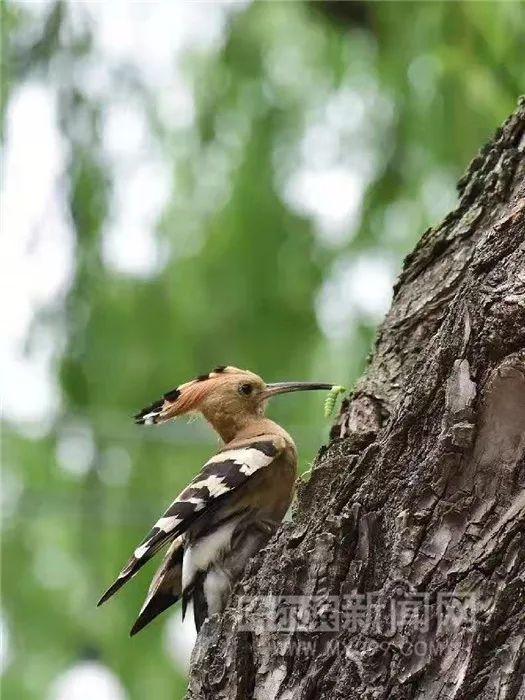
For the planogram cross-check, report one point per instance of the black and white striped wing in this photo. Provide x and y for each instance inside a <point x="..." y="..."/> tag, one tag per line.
<point x="225" y="472"/>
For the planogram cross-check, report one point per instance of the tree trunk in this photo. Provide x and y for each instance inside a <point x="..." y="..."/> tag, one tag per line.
<point x="408" y="541"/>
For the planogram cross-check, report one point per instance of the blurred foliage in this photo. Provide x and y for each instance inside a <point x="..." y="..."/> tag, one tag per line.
<point x="416" y="88"/>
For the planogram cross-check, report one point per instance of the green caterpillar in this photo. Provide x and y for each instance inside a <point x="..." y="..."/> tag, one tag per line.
<point x="331" y="399"/>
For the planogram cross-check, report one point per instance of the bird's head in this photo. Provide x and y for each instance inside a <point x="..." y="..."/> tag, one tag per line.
<point x="228" y="397"/>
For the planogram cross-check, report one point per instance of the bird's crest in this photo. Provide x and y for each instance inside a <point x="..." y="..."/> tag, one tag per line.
<point x="186" y="398"/>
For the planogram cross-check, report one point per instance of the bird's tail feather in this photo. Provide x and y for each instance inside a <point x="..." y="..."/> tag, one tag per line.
<point x="165" y="589"/>
<point x="194" y="594"/>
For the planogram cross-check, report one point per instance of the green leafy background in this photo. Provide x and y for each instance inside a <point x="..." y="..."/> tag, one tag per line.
<point x="396" y="97"/>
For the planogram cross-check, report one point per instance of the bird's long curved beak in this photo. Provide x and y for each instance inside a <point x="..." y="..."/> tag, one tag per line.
<point x="285" y="387"/>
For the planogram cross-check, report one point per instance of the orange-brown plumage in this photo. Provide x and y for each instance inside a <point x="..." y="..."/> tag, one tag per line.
<point x="232" y="506"/>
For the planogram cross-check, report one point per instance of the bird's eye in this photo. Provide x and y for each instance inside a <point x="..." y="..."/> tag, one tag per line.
<point x="245" y="389"/>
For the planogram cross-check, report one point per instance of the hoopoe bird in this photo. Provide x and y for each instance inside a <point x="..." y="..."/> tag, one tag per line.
<point x="231" y="508"/>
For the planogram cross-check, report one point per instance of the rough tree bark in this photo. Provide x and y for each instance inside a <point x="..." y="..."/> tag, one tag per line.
<point x="421" y="489"/>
